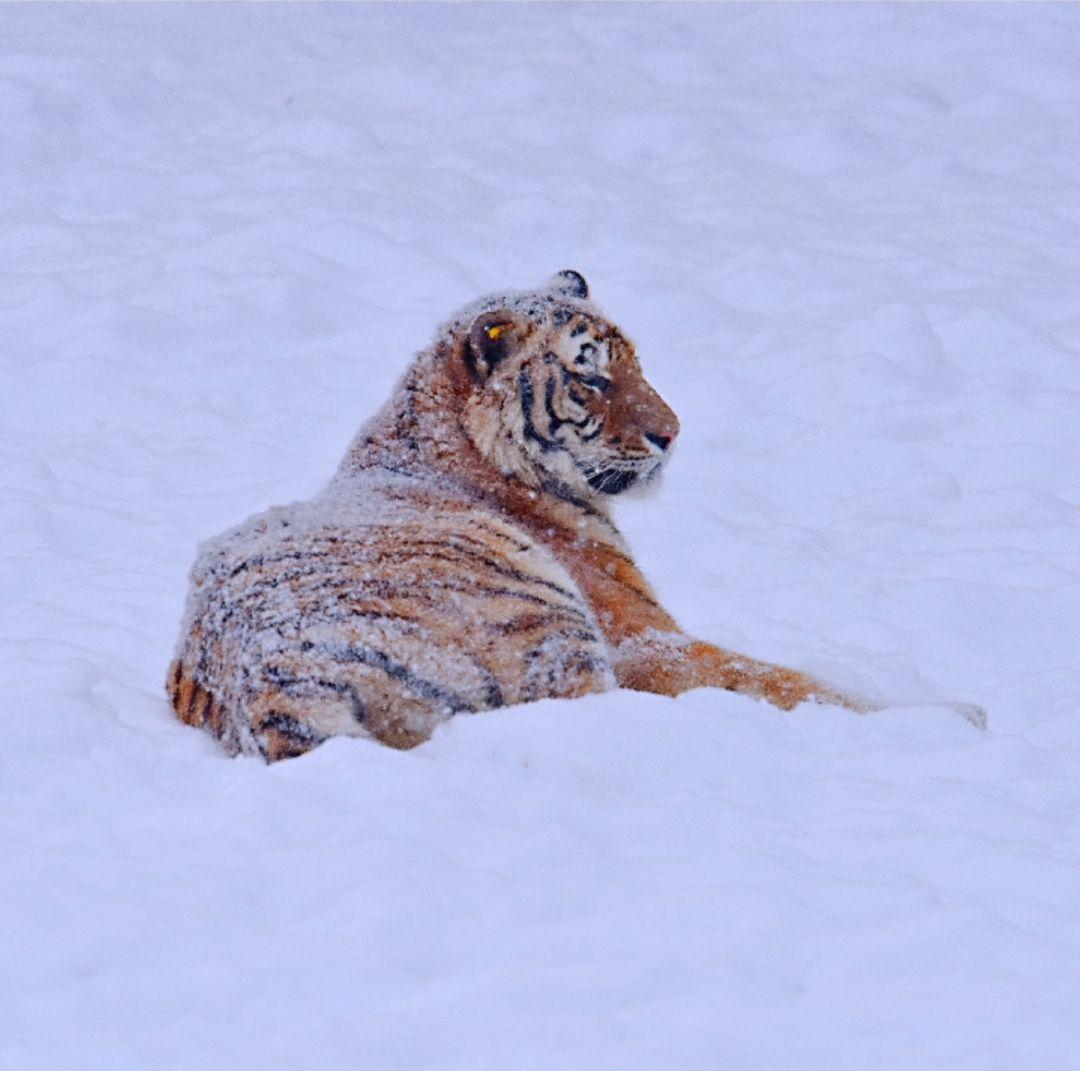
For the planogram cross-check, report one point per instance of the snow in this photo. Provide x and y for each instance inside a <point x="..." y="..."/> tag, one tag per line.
<point x="845" y="240"/>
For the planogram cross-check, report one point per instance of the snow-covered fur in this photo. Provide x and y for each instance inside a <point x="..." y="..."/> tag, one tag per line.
<point x="463" y="557"/>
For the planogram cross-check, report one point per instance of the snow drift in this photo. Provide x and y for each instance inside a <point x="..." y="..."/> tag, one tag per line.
<point x="845" y="240"/>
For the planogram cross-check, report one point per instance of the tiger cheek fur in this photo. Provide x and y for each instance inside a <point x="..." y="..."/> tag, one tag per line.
<point x="461" y="559"/>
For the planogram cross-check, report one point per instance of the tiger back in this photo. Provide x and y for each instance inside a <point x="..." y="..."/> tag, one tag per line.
<point x="378" y="609"/>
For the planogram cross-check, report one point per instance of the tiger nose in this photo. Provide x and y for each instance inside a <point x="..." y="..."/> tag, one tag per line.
<point x="658" y="417"/>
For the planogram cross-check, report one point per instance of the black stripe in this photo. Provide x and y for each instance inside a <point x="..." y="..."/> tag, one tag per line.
<point x="484" y="527"/>
<point x="293" y="685"/>
<point x="338" y="609"/>
<point x="615" y="553"/>
<point x="289" y="726"/>
<point x="549" y="399"/>
<point x="529" y="622"/>
<point x="528" y="400"/>
<point x="368" y="656"/>
<point x="642" y="596"/>
<point x="296" y="732"/>
<point x="261" y="559"/>
<point x="409" y="590"/>
<point x="516" y="543"/>
<point x="502" y="570"/>
<point x="600" y="383"/>
<point x="560" y="490"/>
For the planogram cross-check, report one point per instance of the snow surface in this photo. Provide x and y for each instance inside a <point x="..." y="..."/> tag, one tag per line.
<point x="847" y="242"/>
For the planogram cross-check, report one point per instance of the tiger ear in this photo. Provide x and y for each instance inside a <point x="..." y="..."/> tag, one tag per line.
<point x="569" y="282"/>
<point x="489" y="340"/>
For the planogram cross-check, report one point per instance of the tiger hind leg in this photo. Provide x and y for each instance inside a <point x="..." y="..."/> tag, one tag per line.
<point x="341" y="690"/>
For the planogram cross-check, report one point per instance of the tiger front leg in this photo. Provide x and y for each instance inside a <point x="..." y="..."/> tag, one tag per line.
<point x="672" y="663"/>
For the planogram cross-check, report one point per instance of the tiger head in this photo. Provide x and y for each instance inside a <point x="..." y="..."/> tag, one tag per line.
<point x="555" y="393"/>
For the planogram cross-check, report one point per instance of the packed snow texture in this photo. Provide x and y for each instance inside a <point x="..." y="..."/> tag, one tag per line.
<point x="846" y="240"/>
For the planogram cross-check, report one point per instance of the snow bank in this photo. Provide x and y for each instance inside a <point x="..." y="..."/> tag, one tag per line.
<point x="846" y="242"/>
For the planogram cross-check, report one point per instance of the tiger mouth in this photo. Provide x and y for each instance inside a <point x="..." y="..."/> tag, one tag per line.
<point x="612" y="481"/>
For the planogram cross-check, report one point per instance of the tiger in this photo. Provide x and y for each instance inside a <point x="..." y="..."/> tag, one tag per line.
<point x="463" y="557"/>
